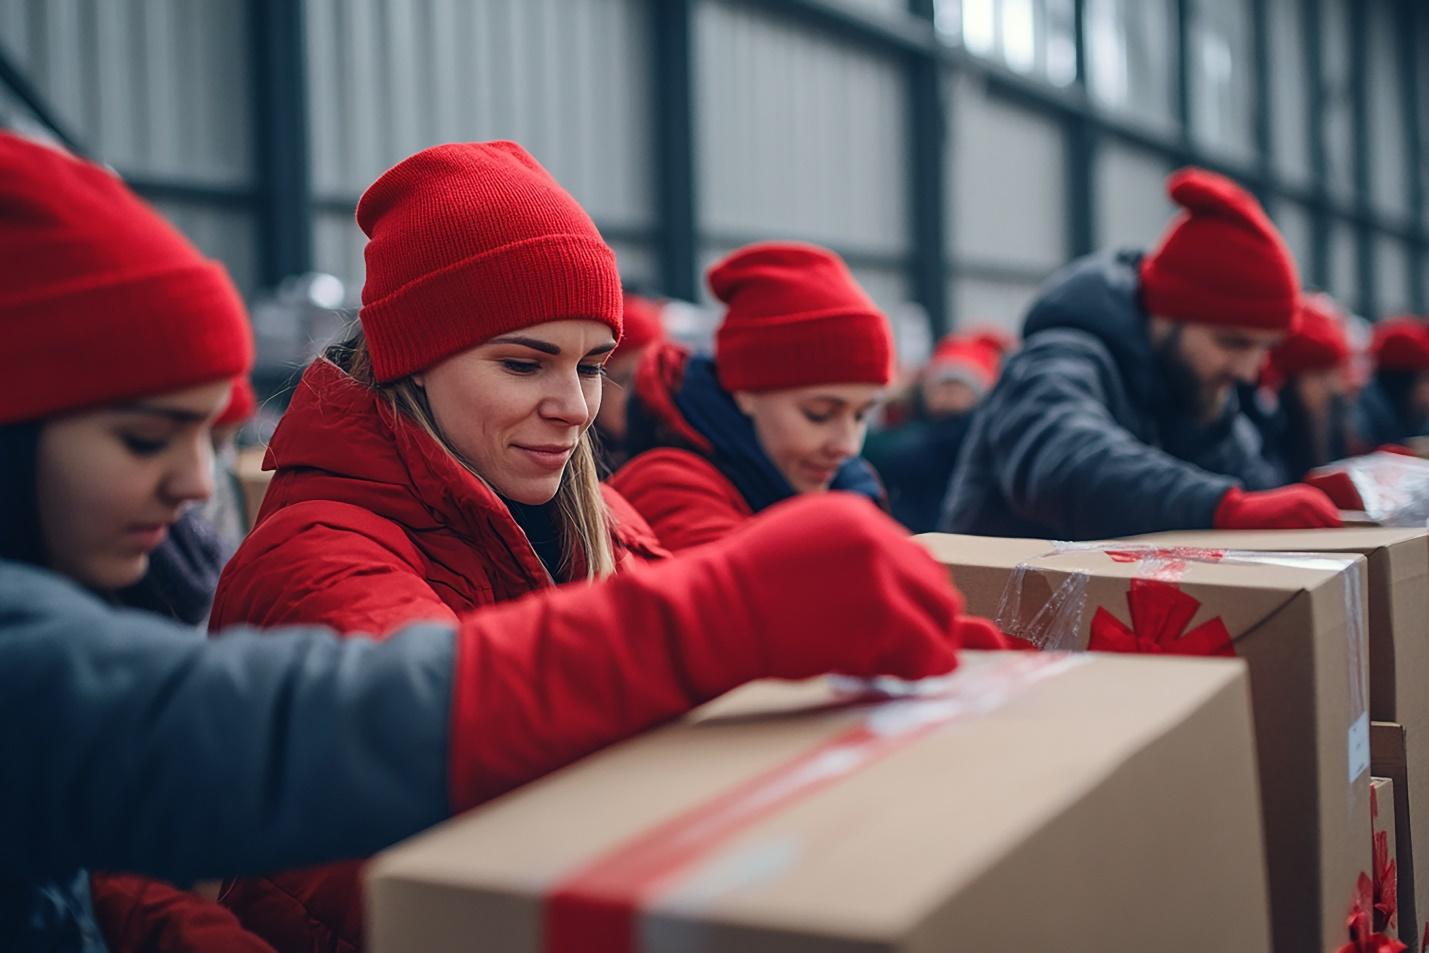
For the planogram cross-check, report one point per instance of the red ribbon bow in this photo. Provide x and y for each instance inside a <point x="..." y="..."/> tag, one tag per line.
<point x="1386" y="883"/>
<point x="1360" y="925"/>
<point x="1160" y="612"/>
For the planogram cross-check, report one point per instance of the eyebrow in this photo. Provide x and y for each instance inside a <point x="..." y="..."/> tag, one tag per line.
<point x="546" y="347"/>
<point x="175" y="414"/>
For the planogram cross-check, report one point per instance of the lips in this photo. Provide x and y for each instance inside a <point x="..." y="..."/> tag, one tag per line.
<point x="149" y="536"/>
<point x="550" y="456"/>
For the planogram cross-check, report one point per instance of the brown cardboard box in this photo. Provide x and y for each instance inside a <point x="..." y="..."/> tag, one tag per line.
<point x="1389" y="759"/>
<point x="1046" y="819"/>
<point x="1289" y="620"/>
<point x="1382" y="824"/>
<point x="1398" y="604"/>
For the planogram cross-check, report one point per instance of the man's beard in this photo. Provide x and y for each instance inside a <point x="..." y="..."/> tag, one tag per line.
<point x="1203" y="402"/>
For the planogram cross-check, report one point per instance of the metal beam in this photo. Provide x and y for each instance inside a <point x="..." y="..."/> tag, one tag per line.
<point x="676" y="179"/>
<point x="18" y="83"/>
<point x="1080" y="142"/>
<point x="1319" y="271"/>
<point x="1262" y="99"/>
<point x="280" y="118"/>
<point x="928" y="118"/>
<point x="1413" y="23"/>
<point x="1184" y="92"/>
<point x="1361" y="130"/>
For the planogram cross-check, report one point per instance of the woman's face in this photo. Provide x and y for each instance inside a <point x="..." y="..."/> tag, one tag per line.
<point x="809" y="432"/>
<point x="110" y="482"/>
<point x="516" y="406"/>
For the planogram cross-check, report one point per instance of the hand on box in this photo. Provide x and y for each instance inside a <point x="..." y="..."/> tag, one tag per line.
<point x="1297" y="506"/>
<point x="830" y="584"/>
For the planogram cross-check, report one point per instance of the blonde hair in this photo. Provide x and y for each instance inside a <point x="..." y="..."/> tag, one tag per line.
<point x="581" y="513"/>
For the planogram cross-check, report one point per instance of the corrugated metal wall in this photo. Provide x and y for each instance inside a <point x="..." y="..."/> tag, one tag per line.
<point x="800" y="131"/>
<point x="160" y="89"/>
<point x="568" y="79"/>
<point x="800" y="135"/>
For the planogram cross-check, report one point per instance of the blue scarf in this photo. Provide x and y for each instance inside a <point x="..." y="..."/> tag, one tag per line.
<point x="711" y="410"/>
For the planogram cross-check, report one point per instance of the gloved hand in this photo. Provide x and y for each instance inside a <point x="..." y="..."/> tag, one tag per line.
<point x="1337" y="485"/>
<point x="975" y="632"/>
<point x="1296" y="506"/>
<point x="818" y="584"/>
<point x="830" y="584"/>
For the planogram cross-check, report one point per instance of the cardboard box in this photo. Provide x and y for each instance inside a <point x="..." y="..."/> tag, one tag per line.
<point x="1386" y="853"/>
<point x="1398" y="607"/>
<point x="1020" y="808"/>
<point x="1293" y="620"/>
<point x="1389" y="759"/>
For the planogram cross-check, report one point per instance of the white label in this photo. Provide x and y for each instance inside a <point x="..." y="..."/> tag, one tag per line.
<point x="1359" y="747"/>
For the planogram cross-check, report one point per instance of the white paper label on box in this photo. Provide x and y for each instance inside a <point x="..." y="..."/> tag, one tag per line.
<point x="1359" y="747"/>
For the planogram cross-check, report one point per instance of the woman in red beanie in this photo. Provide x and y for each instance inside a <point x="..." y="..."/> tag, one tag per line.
<point x="801" y="361"/>
<point x="1394" y="406"/>
<point x="1302" y="408"/>
<point x="136" y="746"/>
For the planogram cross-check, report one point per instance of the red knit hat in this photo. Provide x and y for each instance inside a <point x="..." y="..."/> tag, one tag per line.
<point x="1222" y="261"/>
<point x="242" y="404"/>
<point x="972" y="360"/>
<point x="1401" y="344"/>
<point x="796" y="317"/>
<point x="101" y="300"/>
<point x="1317" y="344"/>
<point x="469" y="241"/>
<point x="643" y="324"/>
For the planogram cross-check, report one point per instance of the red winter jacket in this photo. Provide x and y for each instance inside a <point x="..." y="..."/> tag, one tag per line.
<point x="369" y="525"/>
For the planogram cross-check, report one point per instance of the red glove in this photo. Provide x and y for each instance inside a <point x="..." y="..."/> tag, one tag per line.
<point x="1337" y="485"/>
<point x="1296" y="506"/>
<point x="975" y="632"/>
<point x="817" y="584"/>
<point x="138" y="915"/>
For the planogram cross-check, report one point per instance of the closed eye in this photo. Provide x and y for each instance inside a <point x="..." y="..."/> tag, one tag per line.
<point x="592" y="370"/>
<point x="521" y="367"/>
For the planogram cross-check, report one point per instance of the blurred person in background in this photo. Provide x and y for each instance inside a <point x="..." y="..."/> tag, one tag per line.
<point x="801" y="360"/>
<point x="1119" y="414"/>
<point x="915" y="458"/>
<point x="1393" y="407"/>
<point x="643" y="328"/>
<point x="132" y="745"/>
<point x="1304" y="408"/>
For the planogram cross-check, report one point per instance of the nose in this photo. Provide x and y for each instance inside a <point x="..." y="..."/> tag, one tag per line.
<point x="1246" y="367"/>
<point x="191" y="479"/>
<point x="566" y="401"/>
<point x="845" y="438"/>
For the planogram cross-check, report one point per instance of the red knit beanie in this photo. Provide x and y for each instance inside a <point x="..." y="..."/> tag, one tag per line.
<point x="469" y="241"/>
<point x="1317" y="344"/>
<point x="796" y="317"/>
<point x="643" y="324"/>
<point x="972" y="360"/>
<point x="101" y="300"/>
<point x="1222" y="261"/>
<point x="1401" y="344"/>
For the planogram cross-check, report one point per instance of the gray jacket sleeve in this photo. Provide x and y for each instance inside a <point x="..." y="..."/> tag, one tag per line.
<point x="1064" y="461"/>
<point x="129" y="743"/>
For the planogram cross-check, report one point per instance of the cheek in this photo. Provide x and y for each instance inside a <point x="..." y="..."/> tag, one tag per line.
<point x="473" y="412"/>
<point x="89" y="493"/>
<point x="793" y="437"/>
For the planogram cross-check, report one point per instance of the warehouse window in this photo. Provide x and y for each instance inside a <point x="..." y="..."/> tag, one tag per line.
<point x="1033" y="37"/>
<point x="1131" y="57"/>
